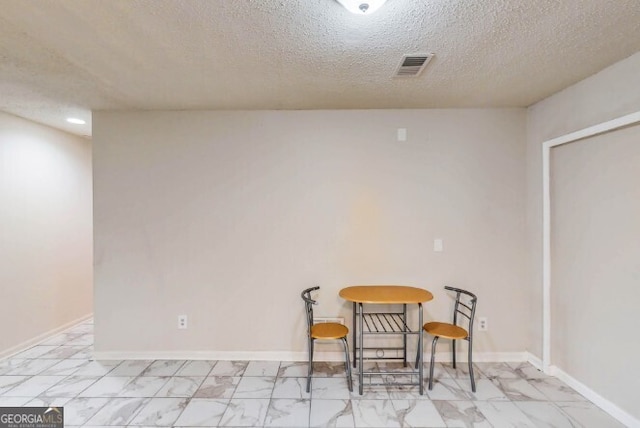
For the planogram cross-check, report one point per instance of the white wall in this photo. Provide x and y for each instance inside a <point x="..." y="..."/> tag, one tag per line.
<point x="595" y="269"/>
<point x="45" y="230"/>
<point x="594" y="283"/>
<point x="227" y="216"/>
<point x="613" y="92"/>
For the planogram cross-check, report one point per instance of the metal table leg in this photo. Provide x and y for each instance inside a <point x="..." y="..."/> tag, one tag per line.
<point x="355" y="335"/>
<point x="361" y="368"/>
<point x="420" y="358"/>
<point x="404" y="336"/>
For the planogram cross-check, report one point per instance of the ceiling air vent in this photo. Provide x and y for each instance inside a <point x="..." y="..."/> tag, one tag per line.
<point x="412" y="65"/>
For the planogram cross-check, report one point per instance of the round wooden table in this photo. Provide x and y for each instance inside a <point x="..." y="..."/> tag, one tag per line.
<point x="385" y="294"/>
<point x="384" y="322"/>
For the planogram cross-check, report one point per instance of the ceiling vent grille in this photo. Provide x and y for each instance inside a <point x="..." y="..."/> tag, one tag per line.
<point x="412" y="65"/>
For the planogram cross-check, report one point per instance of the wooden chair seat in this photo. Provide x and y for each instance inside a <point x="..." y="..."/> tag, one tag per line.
<point x="446" y="330"/>
<point x="328" y="331"/>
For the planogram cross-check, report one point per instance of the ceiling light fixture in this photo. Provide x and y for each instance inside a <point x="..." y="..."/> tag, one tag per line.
<point x="362" y="7"/>
<point x="76" y="121"/>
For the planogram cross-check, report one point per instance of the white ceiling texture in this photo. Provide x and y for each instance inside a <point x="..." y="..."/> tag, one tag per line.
<point x="61" y="58"/>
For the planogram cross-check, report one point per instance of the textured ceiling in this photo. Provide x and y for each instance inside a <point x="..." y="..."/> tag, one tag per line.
<point x="64" y="58"/>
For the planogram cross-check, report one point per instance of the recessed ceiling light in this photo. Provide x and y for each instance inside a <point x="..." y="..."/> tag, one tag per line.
<point x="362" y="7"/>
<point x="76" y="121"/>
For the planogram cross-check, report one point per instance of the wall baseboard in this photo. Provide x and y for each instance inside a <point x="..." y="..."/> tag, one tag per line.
<point x="42" y="337"/>
<point x="597" y="399"/>
<point x="208" y="355"/>
<point x="606" y="405"/>
<point x="480" y="357"/>
<point x="286" y="356"/>
<point x="534" y="361"/>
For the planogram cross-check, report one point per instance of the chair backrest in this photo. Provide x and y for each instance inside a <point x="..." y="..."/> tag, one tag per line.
<point x="465" y="306"/>
<point x="308" y="304"/>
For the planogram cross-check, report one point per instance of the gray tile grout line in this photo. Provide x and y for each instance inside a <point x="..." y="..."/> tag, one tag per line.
<point x="275" y="379"/>
<point x="192" y="395"/>
<point x="144" y="403"/>
<point x="235" y="387"/>
<point x="97" y="410"/>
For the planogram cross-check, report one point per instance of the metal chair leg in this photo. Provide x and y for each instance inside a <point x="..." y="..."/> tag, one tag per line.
<point x="310" y="371"/>
<point x="433" y="358"/>
<point x="418" y="352"/>
<point x="473" y="381"/>
<point x="453" y="352"/>
<point x="347" y="363"/>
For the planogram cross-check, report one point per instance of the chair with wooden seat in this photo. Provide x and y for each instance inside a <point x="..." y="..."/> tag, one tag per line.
<point x="465" y="306"/>
<point x="324" y="331"/>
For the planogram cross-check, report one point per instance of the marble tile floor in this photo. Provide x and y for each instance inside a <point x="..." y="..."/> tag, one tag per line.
<point x="60" y="372"/>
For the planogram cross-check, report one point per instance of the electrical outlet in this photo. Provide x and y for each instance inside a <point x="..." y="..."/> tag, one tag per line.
<point x="182" y="322"/>
<point x="483" y="324"/>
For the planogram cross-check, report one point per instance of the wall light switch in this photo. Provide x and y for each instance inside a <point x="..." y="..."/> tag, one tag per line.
<point x="437" y="245"/>
<point x="402" y="134"/>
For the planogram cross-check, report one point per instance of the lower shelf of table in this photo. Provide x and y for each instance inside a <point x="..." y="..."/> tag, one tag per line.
<point x="391" y="378"/>
<point x="382" y="324"/>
